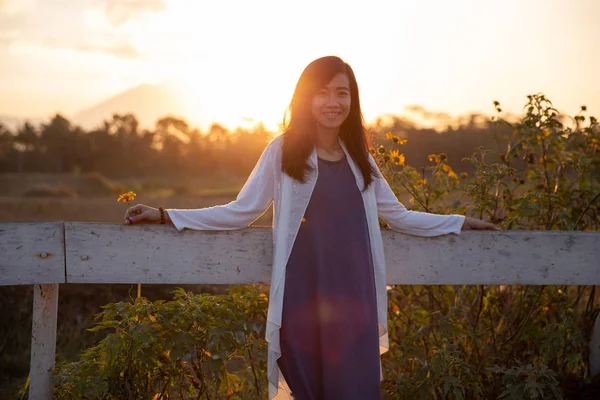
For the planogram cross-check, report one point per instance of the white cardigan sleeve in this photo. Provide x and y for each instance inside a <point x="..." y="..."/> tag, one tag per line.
<point x="253" y="200"/>
<point x="411" y="222"/>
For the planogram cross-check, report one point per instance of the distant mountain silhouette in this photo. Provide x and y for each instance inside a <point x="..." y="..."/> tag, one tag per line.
<point x="13" y="123"/>
<point x="147" y="102"/>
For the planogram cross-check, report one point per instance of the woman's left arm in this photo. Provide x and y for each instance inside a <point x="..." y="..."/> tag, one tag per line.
<point x="418" y="223"/>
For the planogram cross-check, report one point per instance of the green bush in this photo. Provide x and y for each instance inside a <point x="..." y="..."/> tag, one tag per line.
<point x="196" y="346"/>
<point x="509" y="341"/>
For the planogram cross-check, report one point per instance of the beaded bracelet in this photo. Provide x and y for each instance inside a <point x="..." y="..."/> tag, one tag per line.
<point x="162" y="215"/>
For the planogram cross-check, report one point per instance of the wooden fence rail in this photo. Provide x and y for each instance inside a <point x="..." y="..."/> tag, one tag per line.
<point x="49" y="254"/>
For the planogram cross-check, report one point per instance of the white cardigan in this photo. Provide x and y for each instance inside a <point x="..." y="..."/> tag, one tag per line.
<point x="266" y="184"/>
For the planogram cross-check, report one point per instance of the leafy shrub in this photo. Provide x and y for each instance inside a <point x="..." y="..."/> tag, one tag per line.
<point x="508" y="341"/>
<point x="528" y="382"/>
<point x="203" y="346"/>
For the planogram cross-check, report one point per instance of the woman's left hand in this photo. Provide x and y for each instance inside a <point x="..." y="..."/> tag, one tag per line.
<point x="473" y="223"/>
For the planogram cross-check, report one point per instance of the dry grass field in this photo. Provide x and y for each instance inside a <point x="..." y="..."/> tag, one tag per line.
<point x="92" y="198"/>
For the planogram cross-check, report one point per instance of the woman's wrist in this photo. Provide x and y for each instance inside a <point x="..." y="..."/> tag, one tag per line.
<point x="466" y="223"/>
<point x="165" y="218"/>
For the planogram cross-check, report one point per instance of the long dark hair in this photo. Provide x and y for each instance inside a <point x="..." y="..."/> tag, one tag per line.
<point x="300" y="128"/>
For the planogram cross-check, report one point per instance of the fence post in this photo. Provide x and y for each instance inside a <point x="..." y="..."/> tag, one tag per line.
<point x="43" y="341"/>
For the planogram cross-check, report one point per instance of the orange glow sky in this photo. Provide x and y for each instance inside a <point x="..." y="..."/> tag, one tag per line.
<point x="236" y="59"/>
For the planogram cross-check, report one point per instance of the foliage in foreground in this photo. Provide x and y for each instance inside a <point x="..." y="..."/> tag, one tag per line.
<point x="509" y="342"/>
<point x="195" y="346"/>
<point x="447" y="342"/>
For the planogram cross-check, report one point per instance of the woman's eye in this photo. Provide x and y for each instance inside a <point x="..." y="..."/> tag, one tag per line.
<point x="322" y="93"/>
<point x="343" y="93"/>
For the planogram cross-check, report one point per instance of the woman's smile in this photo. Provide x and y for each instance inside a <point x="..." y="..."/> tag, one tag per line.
<point x="331" y="115"/>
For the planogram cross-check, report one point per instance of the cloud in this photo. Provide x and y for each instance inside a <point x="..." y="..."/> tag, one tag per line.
<point x="12" y="7"/>
<point x="7" y="37"/>
<point x="120" y="11"/>
<point x="122" y="50"/>
<point x="119" y="49"/>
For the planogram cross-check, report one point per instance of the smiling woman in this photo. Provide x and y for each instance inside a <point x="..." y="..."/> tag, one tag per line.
<point x="327" y="318"/>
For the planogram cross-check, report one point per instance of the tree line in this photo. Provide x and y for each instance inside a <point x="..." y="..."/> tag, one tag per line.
<point x="121" y="148"/>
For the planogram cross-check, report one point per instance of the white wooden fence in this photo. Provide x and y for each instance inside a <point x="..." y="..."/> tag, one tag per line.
<point x="49" y="254"/>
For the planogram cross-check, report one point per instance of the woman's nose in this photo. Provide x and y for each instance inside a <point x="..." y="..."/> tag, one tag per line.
<point x="331" y="100"/>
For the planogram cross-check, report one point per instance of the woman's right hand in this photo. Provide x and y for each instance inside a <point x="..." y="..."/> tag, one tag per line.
<point x="142" y="214"/>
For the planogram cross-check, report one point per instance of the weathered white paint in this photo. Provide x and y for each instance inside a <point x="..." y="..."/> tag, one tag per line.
<point x="43" y="340"/>
<point x="102" y="253"/>
<point x="32" y="253"/>
<point x="488" y="257"/>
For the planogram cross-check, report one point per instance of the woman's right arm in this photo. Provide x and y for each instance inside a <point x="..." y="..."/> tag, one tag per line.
<point x="253" y="200"/>
<point x="410" y="222"/>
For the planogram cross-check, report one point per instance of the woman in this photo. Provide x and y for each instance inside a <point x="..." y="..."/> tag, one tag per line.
<point x="327" y="318"/>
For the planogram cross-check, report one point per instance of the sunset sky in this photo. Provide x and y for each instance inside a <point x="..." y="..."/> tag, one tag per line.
<point x="232" y="60"/>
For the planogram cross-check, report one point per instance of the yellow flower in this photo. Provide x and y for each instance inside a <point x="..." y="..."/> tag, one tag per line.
<point x="434" y="158"/>
<point x="420" y="182"/>
<point x="396" y="157"/>
<point x="400" y="160"/>
<point x="126" y="197"/>
<point x="448" y="169"/>
<point x="394" y="138"/>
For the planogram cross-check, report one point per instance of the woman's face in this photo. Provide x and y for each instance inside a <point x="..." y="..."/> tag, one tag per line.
<point x="331" y="104"/>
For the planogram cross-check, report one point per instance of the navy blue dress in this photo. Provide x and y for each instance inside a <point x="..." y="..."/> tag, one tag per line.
<point x="329" y="334"/>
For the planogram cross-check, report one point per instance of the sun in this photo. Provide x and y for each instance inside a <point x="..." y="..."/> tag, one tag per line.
<point x="231" y="98"/>
<point x="217" y="74"/>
